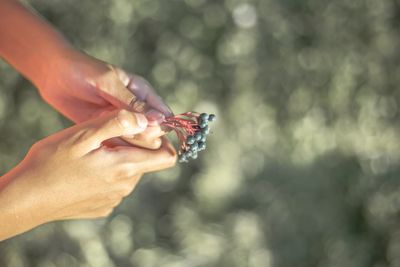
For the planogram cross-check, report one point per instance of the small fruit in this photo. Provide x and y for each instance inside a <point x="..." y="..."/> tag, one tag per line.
<point x="204" y="116"/>
<point x="198" y="136"/>
<point x="190" y="140"/>
<point x="202" y="146"/>
<point x="212" y="117"/>
<point x="191" y="129"/>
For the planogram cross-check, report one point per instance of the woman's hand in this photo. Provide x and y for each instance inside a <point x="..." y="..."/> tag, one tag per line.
<point x="82" y="87"/>
<point x="71" y="175"/>
<point x="77" y="85"/>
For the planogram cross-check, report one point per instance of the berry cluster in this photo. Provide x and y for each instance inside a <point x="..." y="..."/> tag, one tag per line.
<point x="191" y="129"/>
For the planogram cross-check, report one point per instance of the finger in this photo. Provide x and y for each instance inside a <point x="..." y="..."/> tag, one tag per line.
<point x="116" y="142"/>
<point x="145" y="160"/>
<point x="116" y="86"/>
<point x="155" y="117"/>
<point x="113" y="87"/>
<point x="123" y="141"/>
<point x="111" y="125"/>
<point x="155" y="101"/>
<point x="150" y="138"/>
<point x="149" y="144"/>
<point x="142" y="89"/>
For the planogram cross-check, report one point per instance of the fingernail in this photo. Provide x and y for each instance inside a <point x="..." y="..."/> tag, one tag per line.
<point x="155" y="116"/>
<point x="139" y="86"/>
<point x="132" y="127"/>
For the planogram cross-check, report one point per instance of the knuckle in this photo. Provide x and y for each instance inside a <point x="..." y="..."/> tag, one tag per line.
<point x="127" y="170"/>
<point x="37" y="146"/>
<point x="42" y="148"/>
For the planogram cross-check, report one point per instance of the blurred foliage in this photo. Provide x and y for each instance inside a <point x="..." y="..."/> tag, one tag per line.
<point x="303" y="166"/>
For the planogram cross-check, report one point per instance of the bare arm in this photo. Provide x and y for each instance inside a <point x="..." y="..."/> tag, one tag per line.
<point x="72" y="175"/>
<point x="77" y="85"/>
<point x="28" y="42"/>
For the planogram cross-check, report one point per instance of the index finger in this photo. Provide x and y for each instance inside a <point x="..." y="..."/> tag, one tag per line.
<point x="144" y="91"/>
<point x="145" y="160"/>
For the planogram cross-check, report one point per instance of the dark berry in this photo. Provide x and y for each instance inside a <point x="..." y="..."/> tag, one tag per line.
<point x="205" y="130"/>
<point x="198" y="136"/>
<point x="202" y="146"/>
<point x="191" y="129"/>
<point x="204" y="116"/>
<point x="190" y="140"/>
<point x="194" y="147"/>
<point x="183" y="158"/>
<point x="212" y="117"/>
<point x="203" y="124"/>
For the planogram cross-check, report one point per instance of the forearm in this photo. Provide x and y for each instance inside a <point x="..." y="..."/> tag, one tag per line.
<point x="27" y="42"/>
<point x="20" y="207"/>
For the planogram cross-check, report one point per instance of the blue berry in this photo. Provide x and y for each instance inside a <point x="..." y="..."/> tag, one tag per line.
<point x="203" y="139"/>
<point x="190" y="140"/>
<point x="205" y="130"/>
<point x="203" y="124"/>
<point x="212" y="117"/>
<point x="188" y="153"/>
<point x="194" y="147"/>
<point x="204" y="116"/>
<point x="194" y="156"/>
<point x="183" y="158"/>
<point x="198" y="136"/>
<point x="202" y="146"/>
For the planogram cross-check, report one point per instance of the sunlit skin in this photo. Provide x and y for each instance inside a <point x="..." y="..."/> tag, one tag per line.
<point x="71" y="175"/>
<point x="76" y="84"/>
<point x="83" y="171"/>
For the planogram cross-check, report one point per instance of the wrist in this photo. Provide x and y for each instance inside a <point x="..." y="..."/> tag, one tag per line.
<point x="20" y="207"/>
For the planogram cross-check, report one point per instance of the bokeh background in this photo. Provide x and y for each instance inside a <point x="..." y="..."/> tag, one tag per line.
<point x="303" y="165"/>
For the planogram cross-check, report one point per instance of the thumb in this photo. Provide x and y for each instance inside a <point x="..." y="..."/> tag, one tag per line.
<point x="136" y="92"/>
<point x="119" y="89"/>
<point x="113" y="88"/>
<point x="113" y="124"/>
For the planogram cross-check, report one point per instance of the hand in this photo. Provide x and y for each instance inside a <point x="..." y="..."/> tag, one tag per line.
<point x="71" y="175"/>
<point x="82" y="87"/>
<point x="79" y="86"/>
